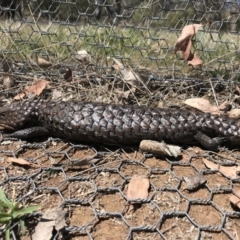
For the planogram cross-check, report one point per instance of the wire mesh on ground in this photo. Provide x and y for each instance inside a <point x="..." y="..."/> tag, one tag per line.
<point x="95" y="196"/>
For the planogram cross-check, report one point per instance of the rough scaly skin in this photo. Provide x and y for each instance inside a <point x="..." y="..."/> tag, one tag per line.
<point x="115" y="124"/>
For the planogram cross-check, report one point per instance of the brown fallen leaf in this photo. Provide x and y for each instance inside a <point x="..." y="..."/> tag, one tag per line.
<point x="128" y="75"/>
<point x="121" y="93"/>
<point x="52" y="219"/>
<point x="138" y="187"/>
<point x="130" y="80"/>
<point x="234" y="113"/>
<point x="21" y="161"/>
<point x="231" y="172"/>
<point x="83" y="162"/>
<point x="225" y="106"/>
<point x="235" y="200"/>
<point x="36" y="89"/>
<point x="8" y="81"/>
<point x="184" y="44"/>
<point x="68" y="75"/>
<point x="43" y="63"/>
<point x="238" y="89"/>
<point x="202" y="104"/>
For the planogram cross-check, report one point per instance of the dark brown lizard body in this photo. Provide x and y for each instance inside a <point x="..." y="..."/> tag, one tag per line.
<point x="115" y="124"/>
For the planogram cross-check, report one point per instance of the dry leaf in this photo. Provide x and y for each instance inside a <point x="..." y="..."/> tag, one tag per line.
<point x="21" y="161"/>
<point x="6" y="142"/>
<point x="121" y="93"/>
<point x="202" y="104"/>
<point x="234" y="113"/>
<point x="194" y="60"/>
<point x="68" y="75"/>
<point x="19" y="96"/>
<point x="8" y="81"/>
<point x="43" y="63"/>
<point x="83" y="56"/>
<point x="138" y="187"/>
<point x="83" y="162"/>
<point x="205" y="106"/>
<point x="184" y="44"/>
<point x="56" y="94"/>
<point x="52" y="218"/>
<point x="235" y="200"/>
<point x="231" y="172"/>
<point x="225" y="106"/>
<point x="238" y="89"/>
<point x="160" y="148"/>
<point x="128" y="75"/>
<point x="36" y="88"/>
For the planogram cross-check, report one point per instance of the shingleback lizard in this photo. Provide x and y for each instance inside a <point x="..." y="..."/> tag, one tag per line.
<point x="115" y="124"/>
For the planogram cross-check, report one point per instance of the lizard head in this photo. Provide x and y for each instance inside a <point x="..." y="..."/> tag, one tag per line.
<point x="16" y="115"/>
<point x="5" y="122"/>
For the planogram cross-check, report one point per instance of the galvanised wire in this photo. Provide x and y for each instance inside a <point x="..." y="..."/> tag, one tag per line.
<point x="142" y="35"/>
<point x="37" y="183"/>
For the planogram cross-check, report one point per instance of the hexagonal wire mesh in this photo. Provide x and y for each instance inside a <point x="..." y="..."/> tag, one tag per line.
<point x="142" y="35"/>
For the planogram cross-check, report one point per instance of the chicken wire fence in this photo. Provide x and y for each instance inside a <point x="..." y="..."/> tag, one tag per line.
<point x="42" y="39"/>
<point x="140" y="34"/>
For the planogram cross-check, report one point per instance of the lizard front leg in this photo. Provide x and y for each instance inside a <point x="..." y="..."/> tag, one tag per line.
<point x="28" y="133"/>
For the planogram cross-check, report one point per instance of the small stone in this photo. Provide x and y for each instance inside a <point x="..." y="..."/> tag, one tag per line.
<point x="194" y="181"/>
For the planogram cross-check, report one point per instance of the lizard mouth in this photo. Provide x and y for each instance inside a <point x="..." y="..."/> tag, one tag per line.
<point x="5" y="127"/>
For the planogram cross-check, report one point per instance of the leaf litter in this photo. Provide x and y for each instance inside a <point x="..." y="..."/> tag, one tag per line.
<point x="234" y="199"/>
<point x="35" y="89"/>
<point x="21" y="161"/>
<point x="138" y="187"/>
<point x="204" y="105"/>
<point x="68" y="76"/>
<point x="184" y="44"/>
<point x="127" y="76"/>
<point x="43" y="63"/>
<point x="51" y="219"/>
<point x="231" y="172"/>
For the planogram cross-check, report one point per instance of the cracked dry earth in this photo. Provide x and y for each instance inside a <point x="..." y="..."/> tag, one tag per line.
<point x="94" y="195"/>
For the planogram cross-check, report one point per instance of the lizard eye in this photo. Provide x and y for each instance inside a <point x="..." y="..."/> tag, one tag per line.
<point x="3" y="114"/>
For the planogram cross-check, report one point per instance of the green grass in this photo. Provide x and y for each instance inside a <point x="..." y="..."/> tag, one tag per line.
<point x="11" y="211"/>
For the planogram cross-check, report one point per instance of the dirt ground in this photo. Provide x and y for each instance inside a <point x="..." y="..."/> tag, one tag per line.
<point x="94" y="196"/>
